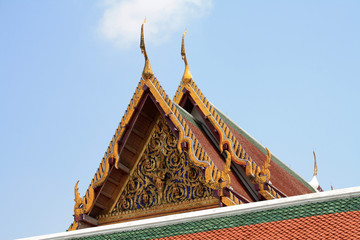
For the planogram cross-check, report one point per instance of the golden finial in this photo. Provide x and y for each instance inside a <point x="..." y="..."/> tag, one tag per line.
<point x="187" y="75"/>
<point x="147" y="72"/>
<point x="332" y="187"/>
<point x="315" y="165"/>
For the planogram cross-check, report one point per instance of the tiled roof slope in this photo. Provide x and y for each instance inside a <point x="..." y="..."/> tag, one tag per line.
<point x="213" y="152"/>
<point x="281" y="174"/>
<point x="316" y="220"/>
<point x="324" y="215"/>
<point x="344" y="225"/>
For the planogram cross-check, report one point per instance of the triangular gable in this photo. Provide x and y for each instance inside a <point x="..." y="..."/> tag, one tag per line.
<point x="119" y="157"/>
<point x="238" y="190"/>
<point x="214" y="178"/>
<point x="244" y="150"/>
<point x="105" y="200"/>
<point x="163" y="181"/>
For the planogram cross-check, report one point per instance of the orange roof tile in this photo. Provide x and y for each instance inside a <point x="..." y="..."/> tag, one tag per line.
<point x="345" y="225"/>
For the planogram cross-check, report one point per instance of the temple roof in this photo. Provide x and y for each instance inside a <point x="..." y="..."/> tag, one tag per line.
<point x="233" y="165"/>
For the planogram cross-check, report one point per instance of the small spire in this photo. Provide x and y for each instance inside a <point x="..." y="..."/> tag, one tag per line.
<point x="187" y="75"/>
<point x="315" y="165"/>
<point x="147" y="72"/>
<point x="332" y="187"/>
<point x="314" y="182"/>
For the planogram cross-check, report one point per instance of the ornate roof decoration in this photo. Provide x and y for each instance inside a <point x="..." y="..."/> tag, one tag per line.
<point x="187" y="75"/>
<point x="256" y="174"/>
<point x="315" y="165"/>
<point x="314" y="182"/>
<point x="147" y="72"/>
<point x="215" y="178"/>
<point x="147" y="196"/>
<point x="163" y="177"/>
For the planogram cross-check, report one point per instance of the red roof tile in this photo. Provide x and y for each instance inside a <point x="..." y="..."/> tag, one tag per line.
<point x="215" y="156"/>
<point x="280" y="178"/>
<point x="345" y="225"/>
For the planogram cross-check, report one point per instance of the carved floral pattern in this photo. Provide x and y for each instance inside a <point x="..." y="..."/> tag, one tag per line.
<point x="163" y="175"/>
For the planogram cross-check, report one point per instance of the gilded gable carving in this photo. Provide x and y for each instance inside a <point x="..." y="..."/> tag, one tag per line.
<point x="162" y="176"/>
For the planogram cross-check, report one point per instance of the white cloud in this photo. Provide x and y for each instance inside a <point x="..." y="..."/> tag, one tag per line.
<point x="122" y="19"/>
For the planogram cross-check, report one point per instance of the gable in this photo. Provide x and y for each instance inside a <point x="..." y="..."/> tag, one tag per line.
<point x="247" y="155"/>
<point x="129" y="148"/>
<point x="149" y="102"/>
<point x="237" y="185"/>
<point x="171" y="156"/>
<point x="163" y="181"/>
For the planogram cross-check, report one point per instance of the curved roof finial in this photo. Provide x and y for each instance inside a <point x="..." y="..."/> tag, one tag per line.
<point x="314" y="182"/>
<point x="187" y="75"/>
<point x="315" y="165"/>
<point x="147" y="72"/>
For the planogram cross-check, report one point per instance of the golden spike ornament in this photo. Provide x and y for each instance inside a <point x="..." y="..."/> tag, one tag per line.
<point x="187" y="75"/>
<point x="315" y="165"/>
<point x="147" y="72"/>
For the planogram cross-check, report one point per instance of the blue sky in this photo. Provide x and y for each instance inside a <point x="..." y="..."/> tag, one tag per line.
<point x="287" y="72"/>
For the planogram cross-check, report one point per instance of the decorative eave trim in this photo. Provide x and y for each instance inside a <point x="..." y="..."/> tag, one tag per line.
<point x="111" y="154"/>
<point x="188" y="142"/>
<point x="231" y="200"/>
<point x="257" y="175"/>
<point x="129" y="214"/>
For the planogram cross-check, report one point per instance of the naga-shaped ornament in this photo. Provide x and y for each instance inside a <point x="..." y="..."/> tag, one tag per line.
<point x="259" y="175"/>
<point x="219" y="179"/>
<point x="83" y="205"/>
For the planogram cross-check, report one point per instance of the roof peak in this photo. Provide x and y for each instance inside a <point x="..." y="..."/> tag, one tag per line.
<point x="147" y="72"/>
<point x="315" y="165"/>
<point x="187" y="75"/>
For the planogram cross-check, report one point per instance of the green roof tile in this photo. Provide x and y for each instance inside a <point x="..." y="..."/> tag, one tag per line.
<point x="279" y="214"/>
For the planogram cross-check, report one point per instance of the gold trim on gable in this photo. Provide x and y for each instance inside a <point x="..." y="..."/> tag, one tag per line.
<point x="256" y="174"/>
<point x="162" y="176"/>
<point x="160" y="210"/>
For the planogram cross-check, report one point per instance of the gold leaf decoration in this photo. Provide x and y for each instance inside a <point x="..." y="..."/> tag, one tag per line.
<point x="162" y="176"/>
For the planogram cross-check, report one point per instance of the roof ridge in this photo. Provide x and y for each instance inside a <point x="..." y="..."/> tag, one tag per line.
<point x="83" y="206"/>
<point x="255" y="174"/>
<point x="196" y="152"/>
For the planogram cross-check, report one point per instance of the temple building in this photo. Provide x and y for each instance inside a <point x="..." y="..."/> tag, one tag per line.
<point x="180" y="169"/>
